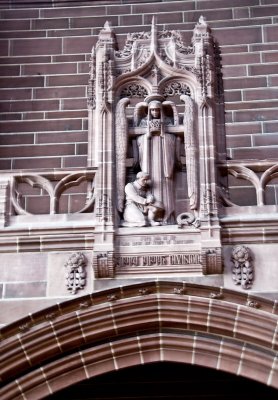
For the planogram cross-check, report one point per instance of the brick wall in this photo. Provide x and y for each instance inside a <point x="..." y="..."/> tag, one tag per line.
<point x="45" y="50"/>
<point x="45" y="63"/>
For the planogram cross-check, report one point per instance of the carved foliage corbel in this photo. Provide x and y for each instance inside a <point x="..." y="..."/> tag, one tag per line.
<point x="75" y="273"/>
<point x="242" y="270"/>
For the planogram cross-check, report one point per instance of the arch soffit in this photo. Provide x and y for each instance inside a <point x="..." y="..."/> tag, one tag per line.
<point x="137" y="324"/>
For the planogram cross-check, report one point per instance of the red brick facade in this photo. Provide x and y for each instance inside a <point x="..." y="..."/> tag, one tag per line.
<point x="45" y="63"/>
<point x="45" y="53"/>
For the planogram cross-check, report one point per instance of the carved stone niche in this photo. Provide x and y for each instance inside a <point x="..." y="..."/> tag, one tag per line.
<point x="156" y="132"/>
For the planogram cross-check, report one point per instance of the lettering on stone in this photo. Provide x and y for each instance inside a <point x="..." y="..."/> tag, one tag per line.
<point x="158" y="260"/>
<point x="155" y="240"/>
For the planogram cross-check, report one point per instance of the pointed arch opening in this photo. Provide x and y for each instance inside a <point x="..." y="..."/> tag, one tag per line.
<point x="139" y="324"/>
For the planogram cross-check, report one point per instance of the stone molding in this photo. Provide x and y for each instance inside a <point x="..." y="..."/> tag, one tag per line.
<point x="219" y="325"/>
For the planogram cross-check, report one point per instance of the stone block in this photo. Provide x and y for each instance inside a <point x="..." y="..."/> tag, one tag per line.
<point x="25" y="290"/>
<point x="27" y="267"/>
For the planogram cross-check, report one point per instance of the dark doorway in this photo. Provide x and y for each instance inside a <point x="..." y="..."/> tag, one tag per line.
<point x="167" y="381"/>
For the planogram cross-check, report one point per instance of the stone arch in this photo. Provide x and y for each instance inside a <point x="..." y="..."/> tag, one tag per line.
<point x="132" y="325"/>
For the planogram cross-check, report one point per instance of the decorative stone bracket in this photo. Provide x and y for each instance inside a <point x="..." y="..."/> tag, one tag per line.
<point x="243" y="272"/>
<point x="75" y="273"/>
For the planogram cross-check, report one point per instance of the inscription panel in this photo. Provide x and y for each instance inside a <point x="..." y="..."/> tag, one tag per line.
<point x="165" y="252"/>
<point x="153" y="240"/>
<point x="157" y="260"/>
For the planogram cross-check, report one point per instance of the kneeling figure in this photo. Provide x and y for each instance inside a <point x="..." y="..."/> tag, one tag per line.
<point x="141" y="209"/>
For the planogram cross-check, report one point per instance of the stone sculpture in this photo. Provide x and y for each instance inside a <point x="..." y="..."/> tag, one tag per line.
<point x="160" y="140"/>
<point x="75" y="272"/>
<point x="141" y="209"/>
<point x="243" y="273"/>
<point x="156" y="107"/>
<point x="157" y="153"/>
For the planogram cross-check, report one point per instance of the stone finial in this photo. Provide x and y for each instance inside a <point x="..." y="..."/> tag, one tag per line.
<point x="201" y="31"/>
<point x="107" y="35"/>
<point x="202" y="21"/>
<point x="107" y="26"/>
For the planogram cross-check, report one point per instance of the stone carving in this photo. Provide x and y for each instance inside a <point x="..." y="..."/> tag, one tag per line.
<point x="103" y="208"/>
<point x="176" y="88"/>
<point x="141" y="208"/>
<point x="204" y="73"/>
<point x="176" y="36"/>
<point x="83" y="305"/>
<point x="253" y="304"/>
<point x="104" y="265"/>
<point x="209" y="202"/>
<point x="251" y="174"/>
<point x="112" y="297"/>
<point x="144" y="292"/>
<point x="155" y="113"/>
<point x="143" y="259"/>
<point x="131" y="38"/>
<point x="91" y="86"/>
<point x="187" y="219"/>
<point x="24" y="327"/>
<point x="179" y="290"/>
<point x="156" y="75"/>
<point x="134" y="90"/>
<point x="51" y="316"/>
<point x="217" y="296"/>
<point x="158" y="149"/>
<point x="211" y="260"/>
<point x="242" y="269"/>
<point x="54" y="190"/>
<point x="75" y="273"/>
<point x="190" y="144"/>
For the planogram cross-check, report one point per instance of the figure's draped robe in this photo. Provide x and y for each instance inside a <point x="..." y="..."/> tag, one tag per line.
<point x="157" y="157"/>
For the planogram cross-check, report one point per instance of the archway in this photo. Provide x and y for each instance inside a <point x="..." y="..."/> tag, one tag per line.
<point x="166" y="381"/>
<point x="139" y="324"/>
